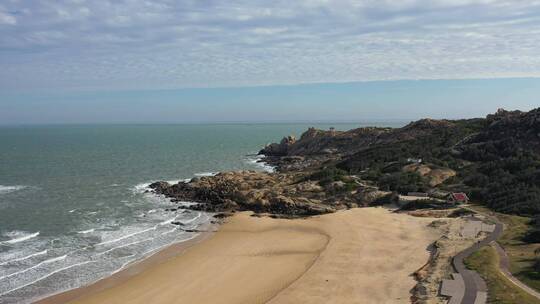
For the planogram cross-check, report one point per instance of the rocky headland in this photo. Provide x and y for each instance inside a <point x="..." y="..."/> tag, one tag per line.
<point x="283" y="194"/>
<point x="328" y="170"/>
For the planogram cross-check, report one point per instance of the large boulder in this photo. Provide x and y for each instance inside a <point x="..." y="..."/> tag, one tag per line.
<point x="279" y="149"/>
<point x="159" y="186"/>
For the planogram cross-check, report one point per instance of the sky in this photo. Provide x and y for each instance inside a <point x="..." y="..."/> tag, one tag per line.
<point x="69" y="61"/>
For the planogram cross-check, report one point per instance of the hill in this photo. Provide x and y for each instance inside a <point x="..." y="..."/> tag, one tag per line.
<point x="496" y="159"/>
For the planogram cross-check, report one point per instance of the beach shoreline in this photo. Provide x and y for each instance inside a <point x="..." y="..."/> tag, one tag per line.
<point x="121" y="276"/>
<point x="343" y="255"/>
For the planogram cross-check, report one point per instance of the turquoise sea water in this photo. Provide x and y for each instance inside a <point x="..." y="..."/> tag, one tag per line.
<point x="73" y="207"/>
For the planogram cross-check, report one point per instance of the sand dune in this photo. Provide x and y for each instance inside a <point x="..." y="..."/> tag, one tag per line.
<point x="355" y="256"/>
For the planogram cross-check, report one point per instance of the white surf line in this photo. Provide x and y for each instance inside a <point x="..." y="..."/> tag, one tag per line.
<point x="145" y="253"/>
<point x="122" y="246"/>
<point x="206" y="174"/>
<point x="35" y="266"/>
<point x="22" y="239"/>
<point x="86" y="231"/>
<point x="170" y="231"/>
<point x="160" y="247"/>
<point x="24" y="258"/>
<point x="46" y="276"/>
<point x="193" y="219"/>
<point x="135" y="233"/>
<point x="168" y="221"/>
<point x="176" y="181"/>
<point x="257" y="161"/>
<point x="124" y="265"/>
<point x="9" y="189"/>
<point x="126" y="236"/>
<point x="149" y="251"/>
<point x="137" y="242"/>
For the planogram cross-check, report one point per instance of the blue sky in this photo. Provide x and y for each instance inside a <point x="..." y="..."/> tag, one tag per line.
<point x="347" y="102"/>
<point x="119" y="61"/>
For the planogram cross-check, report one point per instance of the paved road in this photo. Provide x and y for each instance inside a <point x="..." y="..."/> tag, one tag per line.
<point x="473" y="282"/>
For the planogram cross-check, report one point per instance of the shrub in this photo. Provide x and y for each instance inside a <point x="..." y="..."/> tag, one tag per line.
<point x="424" y="204"/>
<point x="461" y="212"/>
<point x="391" y="198"/>
<point x="403" y="182"/>
<point x="328" y="175"/>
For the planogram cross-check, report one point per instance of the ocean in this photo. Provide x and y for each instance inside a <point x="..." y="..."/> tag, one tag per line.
<point x="73" y="201"/>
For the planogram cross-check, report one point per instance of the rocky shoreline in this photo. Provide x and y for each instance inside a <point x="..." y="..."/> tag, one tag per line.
<point x="328" y="170"/>
<point x="301" y="184"/>
<point x="305" y="181"/>
<point x="280" y="194"/>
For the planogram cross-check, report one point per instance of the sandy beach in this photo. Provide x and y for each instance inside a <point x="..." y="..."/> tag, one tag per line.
<point x="356" y="256"/>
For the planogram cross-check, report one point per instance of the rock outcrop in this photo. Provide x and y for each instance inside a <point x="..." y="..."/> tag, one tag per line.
<point x="279" y="149"/>
<point x="284" y="194"/>
<point x="520" y="129"/>
<point x="435" y="176"/>
<point x="385" y="156"/>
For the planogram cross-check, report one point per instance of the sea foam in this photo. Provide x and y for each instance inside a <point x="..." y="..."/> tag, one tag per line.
<point x="46" y="276"/>
<point x="86" y="231"/>
<point x="60" y="258"/>
<point x="203" y="174"/>
<point x="257" y="161"/>
<point x="24" y="258"/>
<point x="9" y="189"/>
<point x="19" y="236"/>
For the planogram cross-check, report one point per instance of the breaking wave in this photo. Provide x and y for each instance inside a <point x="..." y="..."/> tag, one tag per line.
<point x="19" y="236"/>
<point x="9" y="189"/>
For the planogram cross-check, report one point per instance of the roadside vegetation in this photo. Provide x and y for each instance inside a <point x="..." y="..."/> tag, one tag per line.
<point x="500" y="290"/>
<point x="522" y="251"/>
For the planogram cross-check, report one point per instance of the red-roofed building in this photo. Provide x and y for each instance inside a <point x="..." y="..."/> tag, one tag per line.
<point x="458" y="198"/>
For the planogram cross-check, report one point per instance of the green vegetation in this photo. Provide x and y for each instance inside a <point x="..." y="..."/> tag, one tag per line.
<point x="461" y="212"/>
<point x="500" y="290"/>
<point x="431" y="143"/>
<point x="533" y="234"/>
<point x="402" y="182"/>
<point x="391" y="198"/>
<point x="522" y="255"/>
<point x="329" y="175"/>
<point x="503" y="176"/>
<point x="424" y="204"/>
<point x="497" y="159"/>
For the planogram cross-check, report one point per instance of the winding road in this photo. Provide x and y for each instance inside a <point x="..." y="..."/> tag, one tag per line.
<point x="473" y="282"/>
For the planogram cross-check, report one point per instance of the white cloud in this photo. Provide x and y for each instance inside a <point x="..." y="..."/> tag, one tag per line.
<point x="269" y="30"/>
<point x="7" y="19"/>
<point x="166" y="43"/>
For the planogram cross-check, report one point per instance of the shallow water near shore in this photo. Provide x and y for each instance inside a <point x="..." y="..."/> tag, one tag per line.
<point x="73" y="207"/>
